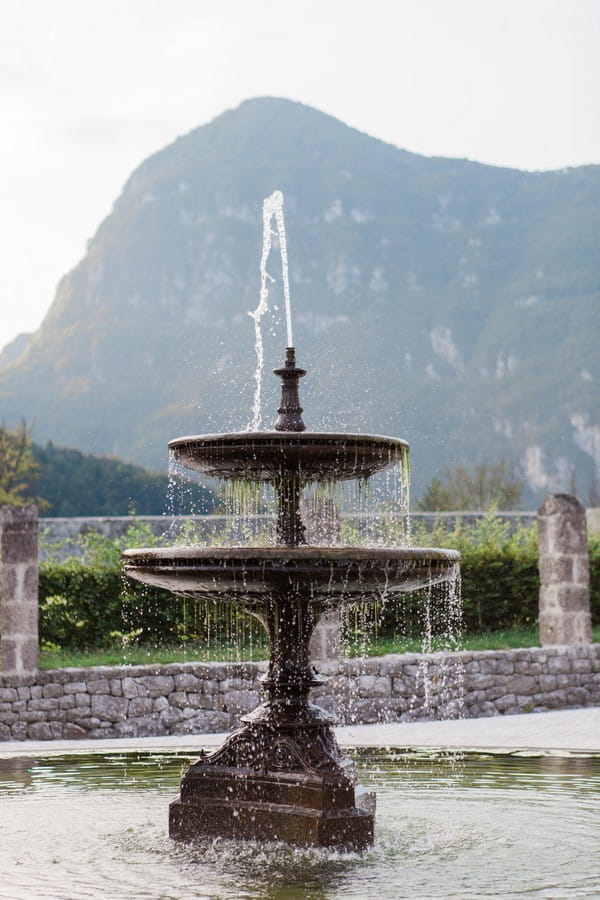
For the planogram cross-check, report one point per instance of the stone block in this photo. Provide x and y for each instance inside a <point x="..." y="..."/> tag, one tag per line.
<point x="130" y="688"/>
<point x="10" y="657"/>
<point x="47" y="704"/>
<point x="558" y="663"/>
<point x="66" y="702"/>
<point x="170" y="717"/>
<point x="579" y="696"/>
<point x="200" y="701"/>
<point x="102" y="732"/>
<point x="179" y="699"/>
<point x="80" y="715"/>
<point x="209" y="721"/>
<point x="40" y="731"/>
<point x="236" y="684"/>
<point x="99" y="686"/>
<point x="19" y="618"/>
<point x="9" y="582"/>
<point x="8" y="717"/>
<point x="547" y="682"/>
<point x="75" y="687"/>
<point x="113" y="709"/>
<point x="242" y="701"/>
<point x="144" y="706"/>
<point x="186" y="681"/>
<point x="72" y="732"/>
<point x="82" y="700"/>
<point x="158" y="704"/>
<point x="521" y="684"/>
<point x="8" y="695"/>
<point x="116" y="687"/>
<point x="24" y="692"/>
<point x="581" y="569"/>
<point x="374" y="685"/>
<point x="52" y="690"/>
<point x="582" y="666"/>
<point x="34" y="715"/>
<point x="505" y="702"/>
<point x="555" y="569"/>
<point x="556" y="700"/>
<point x="146" y="726"/>
<point x="573" y="597"/>
<point x="158" y="685"/>
<point x="19" y="731"/>
<point x="29" y="590"/>
<point x="390" y="665"/>
<point x="18" y="547"/>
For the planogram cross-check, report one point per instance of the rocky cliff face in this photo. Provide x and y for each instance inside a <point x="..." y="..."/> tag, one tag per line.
<point x="447" y="302"/>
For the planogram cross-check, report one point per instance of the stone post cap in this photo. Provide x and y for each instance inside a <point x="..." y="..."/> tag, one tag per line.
<point x="16" y="513"/>
<point x="559" y="504"/>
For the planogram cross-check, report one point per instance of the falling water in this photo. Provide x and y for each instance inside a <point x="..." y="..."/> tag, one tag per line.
<point x="272" y="208"/>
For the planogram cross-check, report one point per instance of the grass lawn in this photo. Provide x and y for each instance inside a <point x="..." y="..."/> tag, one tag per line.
<point x="131" y="655"/>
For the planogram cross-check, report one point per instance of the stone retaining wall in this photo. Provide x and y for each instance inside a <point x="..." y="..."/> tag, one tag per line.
<point x="186" y="698"/>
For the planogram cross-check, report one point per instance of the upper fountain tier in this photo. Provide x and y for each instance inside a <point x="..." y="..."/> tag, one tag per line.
<point x="289" y="451"/>
<point x="264" y="456"/>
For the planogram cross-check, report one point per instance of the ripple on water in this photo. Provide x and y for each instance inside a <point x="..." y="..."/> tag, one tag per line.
<point x="462" y="826"/>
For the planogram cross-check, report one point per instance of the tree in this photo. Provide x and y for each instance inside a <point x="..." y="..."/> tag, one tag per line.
<point x="18" y="468"/>
<point x="80" y="484"/>
<point x="489" y="483"/>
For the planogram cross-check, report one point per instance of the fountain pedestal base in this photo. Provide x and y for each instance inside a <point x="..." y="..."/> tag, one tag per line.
<point x="275" y="780"/>
<point x="300" y="809"/>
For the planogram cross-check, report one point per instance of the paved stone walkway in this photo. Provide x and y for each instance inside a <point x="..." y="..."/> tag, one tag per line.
<point x="576" y="730"/>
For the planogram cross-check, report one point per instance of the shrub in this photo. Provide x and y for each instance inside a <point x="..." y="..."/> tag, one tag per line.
<point x="86" y="603"/>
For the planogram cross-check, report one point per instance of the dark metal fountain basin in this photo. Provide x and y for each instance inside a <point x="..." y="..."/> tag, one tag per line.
<point x="311" y="456"/>
<point x="249" y="574"/>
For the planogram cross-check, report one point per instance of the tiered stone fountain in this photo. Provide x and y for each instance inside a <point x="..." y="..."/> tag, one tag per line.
<point x="282" y="776"/>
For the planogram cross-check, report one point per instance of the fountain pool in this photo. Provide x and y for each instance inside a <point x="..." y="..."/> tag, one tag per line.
<point x="463" y="825"/>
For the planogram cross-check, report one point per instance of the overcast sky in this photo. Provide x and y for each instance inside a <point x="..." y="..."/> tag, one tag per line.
<point x="89" y="88"/>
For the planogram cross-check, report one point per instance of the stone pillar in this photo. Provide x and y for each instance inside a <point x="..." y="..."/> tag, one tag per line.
<point x="565" y="616"/>
<point x="19" y="644"/>
<point x="322" y="523"/>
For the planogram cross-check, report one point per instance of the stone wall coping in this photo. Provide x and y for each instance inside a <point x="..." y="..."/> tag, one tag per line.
<point x="218" y="670"/>
<point x="356" y="666"/>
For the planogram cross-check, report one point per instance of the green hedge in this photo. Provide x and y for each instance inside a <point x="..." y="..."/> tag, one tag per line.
<point x="87" y="603"/>
<point x="84" y="607"/>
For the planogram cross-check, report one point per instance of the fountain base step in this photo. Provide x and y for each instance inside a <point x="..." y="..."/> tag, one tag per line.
<point x="345" y="829"/>
<point x="301" y="808"/>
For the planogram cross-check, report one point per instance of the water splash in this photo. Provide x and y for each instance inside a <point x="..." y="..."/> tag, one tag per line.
<point x="272" y="208"/>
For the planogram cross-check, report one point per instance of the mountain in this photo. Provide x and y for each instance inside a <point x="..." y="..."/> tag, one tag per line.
<point x="450" y="303"/>
<point x="14" y="348"/>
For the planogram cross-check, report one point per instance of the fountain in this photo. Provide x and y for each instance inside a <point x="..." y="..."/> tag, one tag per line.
<point x="282" y="776"/>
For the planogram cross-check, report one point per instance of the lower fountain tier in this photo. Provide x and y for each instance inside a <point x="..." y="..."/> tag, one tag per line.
<point x="326" y="576"/>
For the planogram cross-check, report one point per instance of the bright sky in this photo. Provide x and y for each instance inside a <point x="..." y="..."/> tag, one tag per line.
<point x="89" y="88"/>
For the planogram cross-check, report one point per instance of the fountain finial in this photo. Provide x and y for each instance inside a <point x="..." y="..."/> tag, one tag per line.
<point x="290" y="411"/>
